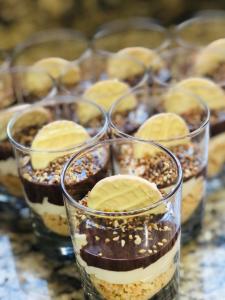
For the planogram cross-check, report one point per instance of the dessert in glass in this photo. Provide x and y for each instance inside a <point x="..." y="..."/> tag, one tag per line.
<point x="52" y="51"/>
<point x="44" y="136"/>
<point x="203" y="74"/>
<point x="17" y="86"/>
<point x="205" y="27"/>
<point x="125" y="225"/>
<point x="179" y="121"/>
<point x="140" y="38"/>
<point x="96" y="66"/>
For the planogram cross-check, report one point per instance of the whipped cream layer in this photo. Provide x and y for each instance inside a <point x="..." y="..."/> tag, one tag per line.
<point x="126" y="277"/>
<point x="8" y="166"/>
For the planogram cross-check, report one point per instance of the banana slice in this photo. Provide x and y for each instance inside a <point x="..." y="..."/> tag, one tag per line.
<point x="56" y="136"/>
<point x="216" y="154"/>
<point x="5" y="116"/>
<point x="37" y="116"/>
<point x="105" y="93"/>
<point x="124" y="67"/>
<point x="210" y="57"/>
<point x="120" y="193"/>
<point x="181" y="97"/>
<point x="56" y="67"/>
<point x="148" y="57"/>
<point x="166" y="128"/>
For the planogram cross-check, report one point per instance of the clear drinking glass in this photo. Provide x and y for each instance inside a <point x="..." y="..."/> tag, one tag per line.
<point x="41" y="184"/>
<point x="57" y="44"/>
<point x="192" y="155"/>
<point x="128" y="253"/>
<point x="202" y="29"/>
<point x="96" y="66"/>
<point x="17" y="86"/>
<point x="119" y="34"/>
<point x="179" y="69"/>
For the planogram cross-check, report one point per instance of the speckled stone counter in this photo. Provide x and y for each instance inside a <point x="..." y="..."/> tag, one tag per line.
<point x="25" y="274"/>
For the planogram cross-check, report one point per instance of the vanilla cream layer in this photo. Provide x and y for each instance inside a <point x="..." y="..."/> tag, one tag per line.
<point x="125" y="277"/>
<point x="8" y="166"/>
<point x="47" y="207"/>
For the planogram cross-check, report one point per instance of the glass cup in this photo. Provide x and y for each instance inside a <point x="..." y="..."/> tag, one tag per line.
<point x="17" y="87"/>
<point x="96" y="66"/>
<point x="58" y="44"/>
<point x="131" y="252"/>
<point x="191" y="150"/>
<point x="202" y="29"/>
<point x="41" y="183"/>
<point x="196" y="66"/>
<point x="119" y="34"/>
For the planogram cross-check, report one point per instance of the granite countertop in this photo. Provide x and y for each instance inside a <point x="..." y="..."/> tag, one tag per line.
<point x="25" y="274"/>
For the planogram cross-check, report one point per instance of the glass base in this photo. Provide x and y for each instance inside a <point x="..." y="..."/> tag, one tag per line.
<point x="15" y="213"/>
<point x="169" y="292"/>
<point x="54" y="246"/>
<point x="191" y="229"/>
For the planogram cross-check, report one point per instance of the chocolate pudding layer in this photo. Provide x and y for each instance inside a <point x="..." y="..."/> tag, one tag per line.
<point x="125" y="247"/>
<point x="43" y="183"/>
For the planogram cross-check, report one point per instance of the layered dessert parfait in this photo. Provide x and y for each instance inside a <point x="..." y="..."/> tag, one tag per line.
<point x="64" y="72"/>
<point x="17" y="86"/>
<point x="95" y="66"/>
<point x="210" y="61"/>
<point x="214" y="96"/>
<point x="155" y="63"/>
<point x="180" y="126"/>
<point x="126" y="237"/>
<point x="44" y="138"/>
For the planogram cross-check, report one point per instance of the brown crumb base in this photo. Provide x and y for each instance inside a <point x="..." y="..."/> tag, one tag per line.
<point x="12" y="184"/>
<point x="56" y="224"/>
<point x="192" y="200"/>
<point x="133" y="291"/>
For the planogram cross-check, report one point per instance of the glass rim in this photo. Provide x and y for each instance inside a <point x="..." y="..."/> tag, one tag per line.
<point x="131" y="213"/>
<point x="139" y="23"/>
<point x="201" y="16"/>
<point x="66" y="99"/>
<point x="25" y="69"/>
<point x="106" y="54"/>
<point x="47" y="36"/>
<point x="190" y="135"/>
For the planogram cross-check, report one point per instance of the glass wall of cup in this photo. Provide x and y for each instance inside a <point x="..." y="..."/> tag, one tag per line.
<point x="44" y="136"/>
<point x="125" y="224"/>
<point x="131" y="32"/>
<point x="51" y="50"/>
<point x="159" y="115"/>
<point x="18" y="86"/>
<point x="205" y="27"/>
<point x="95" y="66"/>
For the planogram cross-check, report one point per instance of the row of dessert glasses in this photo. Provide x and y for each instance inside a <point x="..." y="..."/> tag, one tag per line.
<point x="200" y="160"/>
<point x="124" y="224"/>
